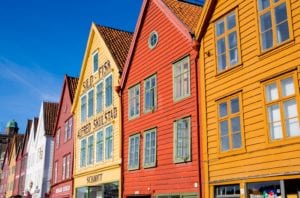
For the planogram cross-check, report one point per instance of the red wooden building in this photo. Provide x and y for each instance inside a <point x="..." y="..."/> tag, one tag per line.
<point x="21" y="163"/>
<point x="159" y="101"/>
<point x="62" y="171"/>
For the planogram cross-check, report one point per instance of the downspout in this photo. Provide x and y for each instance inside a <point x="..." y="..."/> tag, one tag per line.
<point x="195" y="46"/>
<point x="122" y="144"/>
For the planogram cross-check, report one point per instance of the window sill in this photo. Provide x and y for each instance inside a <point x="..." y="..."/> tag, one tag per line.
<point x="274" y="50"/>
<point x="133" y="169"/>
<point x="176" y="100"/>
<point x="229" y="71"/>
<point x="283" y="142"/>
<point x="149" y="166"/>
<point x="150" y="111"/>
<point x="231" y="153"/>
<point x="133" y="117"/>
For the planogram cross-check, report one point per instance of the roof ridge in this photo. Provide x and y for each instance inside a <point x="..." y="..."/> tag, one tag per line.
<point x="191" y="3"/>
<point x="113" y="28"/>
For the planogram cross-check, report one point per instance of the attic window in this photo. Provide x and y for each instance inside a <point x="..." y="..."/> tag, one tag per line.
<point x="153" y="40"/>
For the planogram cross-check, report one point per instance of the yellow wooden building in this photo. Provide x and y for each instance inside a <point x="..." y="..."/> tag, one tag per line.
<point x="97" y="113"/>
<point x="249" y="80"/>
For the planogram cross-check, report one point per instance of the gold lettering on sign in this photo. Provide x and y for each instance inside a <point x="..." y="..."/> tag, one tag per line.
<point x="88" y="83"/>
<point x="106" y="117"/>
<point x="94" y="178"/>
<point x="84" y="129"/>
<point x="104" y="69"/>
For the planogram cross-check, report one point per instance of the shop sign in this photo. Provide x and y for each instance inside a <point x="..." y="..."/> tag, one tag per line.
<point x="98" y="121"/>
<point x="94" y="178"/>
<point x="62" y="189"/>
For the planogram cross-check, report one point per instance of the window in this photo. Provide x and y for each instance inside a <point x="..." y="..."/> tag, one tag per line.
<point x="83" y="108"/>
<point x="108" y="142"/>
<point x="57" y="138"/>
<point x="134" y="152"/>
<point x="273" y="23"/>
<point x="55" y="172"/>
<point x="95" y="62"/>
<point x="99" y="97"/>
<point x="83" y="153"/>
<point x="64" y="168"/>
<point x="282" y="108"/>
<point x="150" y="94"/>
<point x="108" y="91"/>
<point x="99" y="146"/>
<point x="134" y="101"/>
<point x="150" y="148"/>
<point x="90" y="103"/>
<point x="90" y="156"/>
<point x="153" y="40"/>
<point x="68" y="167"/>
<point x="229" y="121"/>
<point x="227" y="42"/>
<point x="227" y="191"/>
<point x="181" y="79"/>
<point x="68" y="129"/>
<point x="182" y="140"/>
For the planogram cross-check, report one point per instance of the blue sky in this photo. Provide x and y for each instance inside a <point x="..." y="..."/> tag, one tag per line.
<point x="41" y="40"/>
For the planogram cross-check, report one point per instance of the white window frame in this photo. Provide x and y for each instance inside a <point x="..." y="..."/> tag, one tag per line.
<point x="64" y="163"/>
<point x="93" y="150"/>
<point x="88" y="103"/>
<point x="182" y="96"/>
<point x="155" y="93"/>
<point x="135" y="166"/>
<point x="83" y="119"/>
<point x="112" y="91"/>
<point x="100" y="142"/>
<point x="150" y="164"/>
<point x="102" y="103"/>
<point x="182" y="159"/>
<point x="93" y="64"/>
<point x="109" y="156"/>
<point x="57" y="139"/>
<point x="135" y="98"/>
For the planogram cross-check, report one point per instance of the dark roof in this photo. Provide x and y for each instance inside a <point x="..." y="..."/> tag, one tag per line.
<point x="117" y="41"/>
<point x="50" y="112"/>
<point x="188" y="13"/>
<point x="19" y="143"/>
<point x="36" y="122"/>
<point x="72" y="84"/>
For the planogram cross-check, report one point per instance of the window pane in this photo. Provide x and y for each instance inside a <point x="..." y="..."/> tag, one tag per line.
<point x="271" y="92"/>
<point x="223" y="109"/>
<point x="264" y="189"/>
<point x="95" y="62"/>
<point x="267" y="39"/>
<point x="224" y="143"/>
<point x="108" y="91"/>
<point x="232" y="40"/>
<point x="280" y="13"/>
<point x="282" y="32"/>
<point x="83" y="108"/>
<point x="266" y="30"/>
<point x="234" y="103"/>
<point x="235" y="125"/>
<point x="99" y="97"/>
<point x="177" y="69"/>
<point x="220" y="28"/>
<point x="275" y="122"/>
<point x="221" y="46"/>
<point x="236" y="140"/>
<point x="282" y="29"/>
<point x="90" y="103"/>
<point x="221" y="54"/>
<point x="263" y="4"/>
<point x="287" y="86"/>
<point x="224" y="128"/>
<point x="291" y="118"/>
<point x="231" y="21"/>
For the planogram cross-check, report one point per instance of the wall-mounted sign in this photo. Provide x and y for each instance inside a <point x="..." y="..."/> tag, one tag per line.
<point x="99" y="121"/>
<point x="94" y="178"/>
<point x="104" y="69"/>
<point x="62" y="189"/>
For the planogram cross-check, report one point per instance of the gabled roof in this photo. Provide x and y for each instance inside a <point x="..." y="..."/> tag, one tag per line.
<point x="50" y="112"/>
<point x="117" y="41"/>
<point x="36" y="122"/>
<point x="188" y="13"/>
<point x="72" y="84"/>
<point x="27" y="133"/>
<point x="19" y="144"/>
<point x="184" y="15"/>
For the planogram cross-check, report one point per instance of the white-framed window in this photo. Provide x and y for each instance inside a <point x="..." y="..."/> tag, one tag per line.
<point x="108" y="91"/>
<point x="83" y="108"/>
<point x="108" y="142"/>
<point x="150" y="99"/>
<point x="95" y="61"/>
<point x="90" y="154"/>
<point x="182" y="140"/>
<point x="134" y="101"/>
<point x="55" y="171"/>
<point x="99" y="146"/>
<point x="68" y="129"/>
<point x="57" y="138"/>
<point x="134" y="152"/>
<point x="150" y="148"/>
<point x="68" y="167"/>
<point x="281" y="101"/>
<point x="273" y="23"/>
<point x="91" y="103"/>
<point x="83" y="153"/>
<point x="181" y="79"/>
<point x="153" y="40"/>
<point x="64" y="168"/>
<point x="226" y="32"/>
<point x="99" y="97"/>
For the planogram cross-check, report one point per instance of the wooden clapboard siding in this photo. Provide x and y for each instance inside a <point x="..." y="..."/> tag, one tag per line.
<point x="260" y="157"/>
<point x="167" y="176"/>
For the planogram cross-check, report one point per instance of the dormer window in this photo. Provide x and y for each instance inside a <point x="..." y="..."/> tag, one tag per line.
<point x="95" y="61"/>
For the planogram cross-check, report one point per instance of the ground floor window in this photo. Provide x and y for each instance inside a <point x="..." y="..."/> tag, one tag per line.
<point x="178" y="196"/>
<point x="272" y="189"/>
<point x="227" y="191"/>
<point x="110" y="190"/>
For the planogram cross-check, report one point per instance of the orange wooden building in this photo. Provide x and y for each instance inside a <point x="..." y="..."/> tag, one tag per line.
<point x="159" y="101"/>
<point x="249" y="79"/>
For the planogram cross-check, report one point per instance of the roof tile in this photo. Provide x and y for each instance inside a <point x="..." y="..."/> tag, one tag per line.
<point x="50" y="112"/>
<point x="72" y="83"/>
<point x="117" y="41"/>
